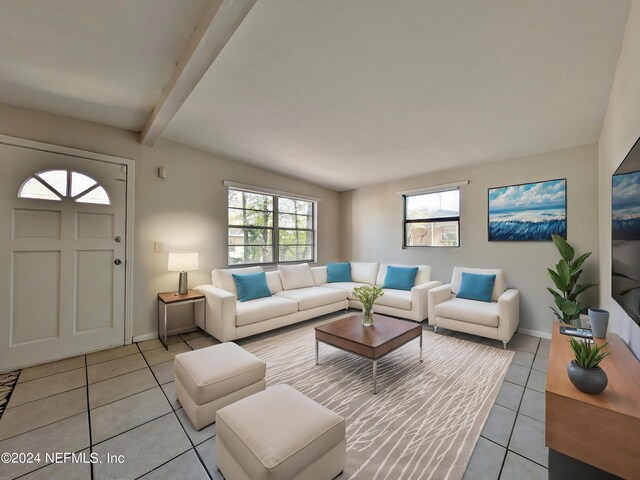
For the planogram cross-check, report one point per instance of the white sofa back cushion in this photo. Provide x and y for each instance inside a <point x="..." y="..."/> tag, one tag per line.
<point x="223" y="277"/>
<point x="296" y="276"/>
<point x="274" y="282"/>
<point x="364" y="272"/>
<point x="498" y="287"/>
<point x="423" y="275"/>
<point x="319" y="275"/>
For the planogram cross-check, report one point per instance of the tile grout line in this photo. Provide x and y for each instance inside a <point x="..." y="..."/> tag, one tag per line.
<point x="193" y="447"/>
<point x="518" y="413"/>
<point x="86" y="372"/>
<point x="81" y="386"/>
<point x="513" y="427"/>
<point x="46" y="424"/>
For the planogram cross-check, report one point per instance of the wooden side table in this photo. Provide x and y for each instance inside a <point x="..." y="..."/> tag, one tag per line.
<point x="172" y="298"/>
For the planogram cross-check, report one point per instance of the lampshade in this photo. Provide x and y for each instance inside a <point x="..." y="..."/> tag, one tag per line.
<point x="183" y="261"/>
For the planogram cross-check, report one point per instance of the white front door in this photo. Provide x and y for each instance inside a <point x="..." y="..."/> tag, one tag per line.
<point x="62" y="255"/>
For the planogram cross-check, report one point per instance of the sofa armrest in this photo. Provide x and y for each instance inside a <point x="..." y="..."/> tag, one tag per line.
<point x="420" y="299"/>
<point x="436" y="296"/>
<point x="221" y="312"/>
<point x="509" y="312"/>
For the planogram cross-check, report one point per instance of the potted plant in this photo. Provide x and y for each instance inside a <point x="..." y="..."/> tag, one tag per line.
<point x="565" y="277"/>
<point x="584" y="371"/>
<point x="367" y="294"/>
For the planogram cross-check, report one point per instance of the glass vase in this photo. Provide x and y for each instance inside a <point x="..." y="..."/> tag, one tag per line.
<point x="367" y="317"/>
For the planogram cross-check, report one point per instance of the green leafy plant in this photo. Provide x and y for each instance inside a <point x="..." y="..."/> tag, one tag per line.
<point x="565" y="277"/>
<point x="367" y="294"/>
<point x="588" y="355"/>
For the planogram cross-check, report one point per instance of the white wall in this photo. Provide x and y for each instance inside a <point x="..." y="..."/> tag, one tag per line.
<point x="620" y="130"/>
<point x="371" y="225"/>
<point x="186" y="211"/>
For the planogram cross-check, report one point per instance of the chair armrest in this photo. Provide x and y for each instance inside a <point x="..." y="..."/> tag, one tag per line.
<point x="420" y="299"/>
<point x="221" y="312"/>
<point x="436" y="296"/>
<point x="509" y="312"/>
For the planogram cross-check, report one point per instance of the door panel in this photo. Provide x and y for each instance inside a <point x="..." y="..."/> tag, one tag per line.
<point x="94" y="289"/>
<point x="61" y="293"/>
<point x="36" y="224"/>
<point x="35" y="319"/>
<point x="94" y="225"/>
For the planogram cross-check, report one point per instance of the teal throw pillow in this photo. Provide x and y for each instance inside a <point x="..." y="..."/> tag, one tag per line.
<point x="251" y="286"/>
<point x="338" y="272"/>
<point x="476" y="287"/>
<point x="400" y="278"/>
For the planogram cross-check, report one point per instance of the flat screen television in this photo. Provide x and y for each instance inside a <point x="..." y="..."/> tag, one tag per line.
<point x="625" y="234"/>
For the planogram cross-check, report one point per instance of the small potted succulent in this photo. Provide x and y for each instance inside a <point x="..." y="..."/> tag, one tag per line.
<point x="367" y="294"/>
<point x="585" y="372"/>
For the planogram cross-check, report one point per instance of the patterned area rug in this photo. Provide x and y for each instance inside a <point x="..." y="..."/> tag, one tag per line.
<point x="426" y="418"/>
<point x="7" y="383"/>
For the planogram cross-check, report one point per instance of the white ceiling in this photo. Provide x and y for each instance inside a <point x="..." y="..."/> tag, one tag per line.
<point x="349" y="93"/>
<point x="100" y="60"/>
<point x="344" y="93"/>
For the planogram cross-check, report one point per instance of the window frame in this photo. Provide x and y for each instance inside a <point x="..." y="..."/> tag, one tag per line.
<point x="405" y="221"/>
<point x="275" y="228"/>
<point x="69" y="183"/>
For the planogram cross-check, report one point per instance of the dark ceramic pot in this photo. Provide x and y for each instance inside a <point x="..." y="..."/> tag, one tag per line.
<point x="588" y="380"/>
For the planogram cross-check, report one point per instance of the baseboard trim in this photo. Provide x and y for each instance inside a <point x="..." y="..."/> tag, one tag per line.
<point x="146" y="336"/>
<point x="152" y="335"/>
<point x="534" y="333"/>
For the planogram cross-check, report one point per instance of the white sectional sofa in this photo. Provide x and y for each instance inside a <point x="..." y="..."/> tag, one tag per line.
<point x="300" y="292"/>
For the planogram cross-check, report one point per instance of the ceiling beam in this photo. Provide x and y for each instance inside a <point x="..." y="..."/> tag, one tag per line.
<point x="214" y="29"/>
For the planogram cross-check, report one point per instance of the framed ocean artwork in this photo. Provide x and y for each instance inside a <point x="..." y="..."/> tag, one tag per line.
<point x="528" y="212"/>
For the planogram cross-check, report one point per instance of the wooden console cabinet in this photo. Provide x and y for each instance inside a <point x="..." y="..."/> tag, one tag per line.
<point x="600" y="430"/>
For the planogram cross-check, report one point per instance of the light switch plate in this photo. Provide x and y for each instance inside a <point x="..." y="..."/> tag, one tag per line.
<point x="157" y="247"/>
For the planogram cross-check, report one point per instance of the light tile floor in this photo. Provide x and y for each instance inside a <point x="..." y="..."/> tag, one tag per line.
<point x="117" y="402"/>
<point x="511" y="445"/>
<point x="120" y="404"/>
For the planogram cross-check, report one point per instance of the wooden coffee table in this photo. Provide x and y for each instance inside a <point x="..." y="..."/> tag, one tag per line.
<point x="373" y="342"/>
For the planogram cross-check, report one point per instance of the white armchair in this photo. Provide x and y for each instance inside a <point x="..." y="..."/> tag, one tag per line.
<point x="497" y="319"/>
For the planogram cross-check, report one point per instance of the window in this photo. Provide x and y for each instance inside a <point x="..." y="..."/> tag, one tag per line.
<point x="432" y="219"/>
<point x="265" y="228"/>
<point x="59" y="184"/>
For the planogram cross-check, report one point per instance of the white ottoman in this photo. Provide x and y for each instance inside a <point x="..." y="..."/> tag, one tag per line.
<point x="279" y="434"/>
<point x="213" y="377"/>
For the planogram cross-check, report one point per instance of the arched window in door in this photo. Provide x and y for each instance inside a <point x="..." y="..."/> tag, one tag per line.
<point x="59" y="184"/>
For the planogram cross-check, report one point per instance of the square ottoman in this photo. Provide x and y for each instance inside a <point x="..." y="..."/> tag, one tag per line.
<point x="213" y="377"/>
<point x="279" y="434"/>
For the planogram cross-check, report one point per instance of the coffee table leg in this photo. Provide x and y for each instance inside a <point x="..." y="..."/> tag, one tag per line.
<point x="421" y="347"/>
<point x="375" y="376"/>
<point x="317" y="362"/>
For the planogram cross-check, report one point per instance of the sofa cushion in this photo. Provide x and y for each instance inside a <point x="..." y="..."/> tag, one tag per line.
<point x="213" y="372"/>
<point x="423" y="275"/>
<point x="251" y="286"/>
<point x="395" y="298"/>
<point x="296" y="276"/>
<point x="471" y="311"/>
<point x="364" y="272"/>
<point x="319" y="275"/>
<point x="223" y="277"/>
<point x="476" y="287"/>
<point x="338" y="272"/>
<point x="498" y="287"/>
<point x="346" y="286"/>
<point x="313" y="297"/>
<point x="255" y="311"/>
<point x="278" y="433"/>
<point x="274" y="282"/>
<point x="400" y="278"/>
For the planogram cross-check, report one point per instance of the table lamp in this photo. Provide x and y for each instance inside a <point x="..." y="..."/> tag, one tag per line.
<point x="182" y="262"/>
